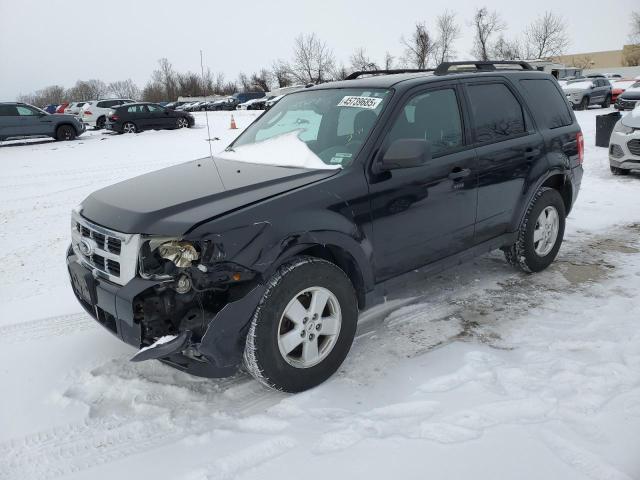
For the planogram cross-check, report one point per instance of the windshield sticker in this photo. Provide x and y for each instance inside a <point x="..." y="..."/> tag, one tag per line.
<point x="360" y="102"/>
<point x="340" y="157"/>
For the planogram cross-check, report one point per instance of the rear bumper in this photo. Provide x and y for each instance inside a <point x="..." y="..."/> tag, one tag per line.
<point x="217" y="354"/>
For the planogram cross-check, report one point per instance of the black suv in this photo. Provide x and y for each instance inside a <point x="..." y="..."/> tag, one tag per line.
<point x="137" y="117"/>
<point x="265" y="254"/>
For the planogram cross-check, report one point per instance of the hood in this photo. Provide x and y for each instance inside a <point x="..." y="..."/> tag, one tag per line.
<point x="170" y="201"/>
<point x="631" y="94"/>
<point x="632" y="119"/>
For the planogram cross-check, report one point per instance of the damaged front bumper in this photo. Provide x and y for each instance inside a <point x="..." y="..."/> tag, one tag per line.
<point x="209" y="340"/>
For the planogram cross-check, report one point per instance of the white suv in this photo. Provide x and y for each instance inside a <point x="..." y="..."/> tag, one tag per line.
<point x="94" y="113"/>
<point x="624" y="145"/>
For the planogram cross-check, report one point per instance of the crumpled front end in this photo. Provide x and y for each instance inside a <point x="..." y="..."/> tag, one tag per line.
<point x="146" y="289"/>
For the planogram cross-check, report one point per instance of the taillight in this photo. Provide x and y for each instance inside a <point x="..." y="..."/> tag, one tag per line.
<point x="114" y="118"/>
<point x="580" y="142"/>
<point x="87" y="112"/>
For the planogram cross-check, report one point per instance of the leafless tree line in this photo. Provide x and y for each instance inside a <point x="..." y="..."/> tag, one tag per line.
<point x="313" y="61"/>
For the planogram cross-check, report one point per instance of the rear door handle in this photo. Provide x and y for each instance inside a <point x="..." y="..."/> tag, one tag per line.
<point x="459" y="173"/>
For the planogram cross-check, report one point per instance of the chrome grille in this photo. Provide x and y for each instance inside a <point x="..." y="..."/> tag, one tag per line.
<point x="634" y="147"/>
<point x="109" y="254"/>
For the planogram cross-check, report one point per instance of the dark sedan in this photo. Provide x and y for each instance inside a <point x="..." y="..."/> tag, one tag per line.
<point x="136" y="117"/>
<point x="628" y="100"/>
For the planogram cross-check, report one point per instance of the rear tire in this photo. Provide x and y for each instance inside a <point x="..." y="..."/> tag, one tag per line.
<point x="618" y="171"/>
<point x="129" y="127"/>
<point x="100" y="122"/>
<point x="607" y="102"/>
<point x="65" y="132"/>
<point x="303" y="326"/>
<point x="540" y="234"/>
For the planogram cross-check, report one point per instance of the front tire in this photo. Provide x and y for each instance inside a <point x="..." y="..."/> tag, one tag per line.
<point x="65" y="132"/>
<point x="303" y="326"/>
<point x="182" y="122"/>
<point x="540" y="234"/>
<point x="607" y="102"/>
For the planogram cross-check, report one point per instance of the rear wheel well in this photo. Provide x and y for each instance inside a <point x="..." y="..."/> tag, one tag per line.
<point x="345" y="261"/>
<point x="563" y="186"/>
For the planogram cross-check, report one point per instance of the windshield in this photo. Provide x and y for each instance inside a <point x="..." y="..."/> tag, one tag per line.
<point x="311" y="129"/>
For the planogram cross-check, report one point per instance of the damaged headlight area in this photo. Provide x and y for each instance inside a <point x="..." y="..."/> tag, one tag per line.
<point x="194" y="282"/>
<point x="185" y="265"/>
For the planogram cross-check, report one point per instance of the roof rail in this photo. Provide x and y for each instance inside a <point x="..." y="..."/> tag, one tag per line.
<point x="359" y="73"/>
<point x="478" y="66"/>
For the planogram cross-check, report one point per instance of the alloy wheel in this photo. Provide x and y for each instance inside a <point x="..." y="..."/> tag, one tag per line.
<point x="309" y="327"/>
<point x="546" y="231"/>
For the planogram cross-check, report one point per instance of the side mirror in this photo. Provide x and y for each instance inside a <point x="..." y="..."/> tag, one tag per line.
<point x="406" y="153"/>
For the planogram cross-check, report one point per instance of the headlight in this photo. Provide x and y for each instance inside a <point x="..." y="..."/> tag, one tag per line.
<point x="621" y="128"/>
<point x="182" y="254"/>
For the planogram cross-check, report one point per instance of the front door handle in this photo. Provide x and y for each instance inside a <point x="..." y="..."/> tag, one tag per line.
<point x="459" y="173"/>
<point x="531" y="153"/>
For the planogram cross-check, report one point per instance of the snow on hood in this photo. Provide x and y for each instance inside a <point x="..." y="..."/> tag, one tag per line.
<point x="632" y="119"/>
<point x="285" y="150"/>
<point x="578" y="85"/>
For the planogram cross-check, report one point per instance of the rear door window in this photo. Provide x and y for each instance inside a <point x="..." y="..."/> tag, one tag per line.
<point x="137" y="109"/>
<point x="547" y="103"/>
<point x="496" y="112"/>
<point x="8" y="111"/>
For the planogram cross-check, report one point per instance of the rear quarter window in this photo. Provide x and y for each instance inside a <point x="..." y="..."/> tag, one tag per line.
<point x="547" y="103"/>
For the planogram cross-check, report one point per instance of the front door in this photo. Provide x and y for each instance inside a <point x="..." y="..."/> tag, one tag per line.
<point x="425" y="213"/>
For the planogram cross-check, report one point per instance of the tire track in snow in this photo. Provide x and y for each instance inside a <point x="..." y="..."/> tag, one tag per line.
<point x="163" y="416"/>
<point x="46" y="328"/>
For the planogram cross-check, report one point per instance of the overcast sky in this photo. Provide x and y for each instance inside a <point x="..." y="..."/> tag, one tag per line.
<point x="45" y="42"/>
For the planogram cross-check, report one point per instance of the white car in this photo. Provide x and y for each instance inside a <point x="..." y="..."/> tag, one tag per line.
<point x="74" y="108"/>
<point x="95" y="112"/>
<point x="624" y="145"/>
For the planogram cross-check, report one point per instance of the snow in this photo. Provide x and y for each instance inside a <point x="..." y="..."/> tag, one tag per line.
<point x="285" y="150"/>
<point x="578" y="85"/>
<point x="479" y="372"/>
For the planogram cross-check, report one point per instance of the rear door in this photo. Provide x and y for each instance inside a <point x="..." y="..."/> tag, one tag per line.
<point x="507" y="145"/>
<point x="8" y="120"/>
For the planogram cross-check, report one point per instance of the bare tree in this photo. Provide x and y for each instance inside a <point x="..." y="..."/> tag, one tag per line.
<point x="419" y="48"/>
<point x="340" y="72"/>
<point x="244" y="82"/>
<point x="448" y="33"/>
<point x="505" y="49"/>
<point x="360" y="61"/>
<point x="281" y="74"/>
<point x="312" y="59"/>
<point x="485" y="24"/>
<point x="261" y="80"/>
<point x="634" y="35"/>
<point x="124" y="89"/>
<point x="583" y="62"/>
<point x="153" y="92"/>
<point x="546" y="37"/>
<point x="388" y="61"/>
<point x="53" y="94"/>
<point x="166" y="76"/>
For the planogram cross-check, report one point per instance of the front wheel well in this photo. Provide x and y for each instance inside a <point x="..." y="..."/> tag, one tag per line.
<point x="562" y="184"/>
<point x="344" y="261"/>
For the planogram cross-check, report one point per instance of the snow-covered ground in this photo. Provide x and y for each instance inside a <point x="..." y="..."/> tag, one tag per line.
<point x="480" y="372"/>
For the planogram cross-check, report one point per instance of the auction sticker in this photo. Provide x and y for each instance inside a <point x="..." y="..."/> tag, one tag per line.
<point x="360" y="102"/>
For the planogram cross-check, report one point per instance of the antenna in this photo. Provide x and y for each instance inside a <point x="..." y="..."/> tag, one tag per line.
<point x="206" y="114"/>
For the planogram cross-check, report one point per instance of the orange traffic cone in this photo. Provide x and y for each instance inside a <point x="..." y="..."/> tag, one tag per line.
<point x="233" y="124"/>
